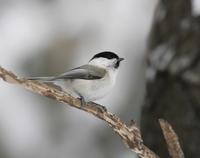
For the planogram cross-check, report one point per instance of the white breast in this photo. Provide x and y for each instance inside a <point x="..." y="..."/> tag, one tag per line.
<point x="94" y="89"/>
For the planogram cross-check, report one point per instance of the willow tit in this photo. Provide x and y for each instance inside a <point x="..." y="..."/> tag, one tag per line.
<point x="91" y="81"/>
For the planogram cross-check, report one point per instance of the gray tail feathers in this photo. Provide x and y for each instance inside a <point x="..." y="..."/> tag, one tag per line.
<point x="43" y="79"/>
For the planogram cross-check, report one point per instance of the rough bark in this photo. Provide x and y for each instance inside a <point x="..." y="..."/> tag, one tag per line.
<point x="171" y="138"/>
<point x="173" y="83"/>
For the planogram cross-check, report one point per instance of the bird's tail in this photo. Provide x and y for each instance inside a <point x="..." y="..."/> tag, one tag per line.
<point x="43" y="79"/>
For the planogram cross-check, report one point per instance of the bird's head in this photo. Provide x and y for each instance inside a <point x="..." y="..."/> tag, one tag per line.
<point x="108" y="60"/>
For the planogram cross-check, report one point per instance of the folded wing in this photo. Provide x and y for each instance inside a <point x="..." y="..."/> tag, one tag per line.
<point x="87" y="72"/>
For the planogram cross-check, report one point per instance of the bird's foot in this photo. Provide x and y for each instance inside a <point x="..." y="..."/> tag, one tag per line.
<point x="100" y="107"/>
<point x="83" y="102"/>
<point x="93" y="105"/>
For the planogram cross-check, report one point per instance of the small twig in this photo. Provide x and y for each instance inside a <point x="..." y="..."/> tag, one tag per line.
<point x="171" y="138"/>
<point x="130" y="135"/>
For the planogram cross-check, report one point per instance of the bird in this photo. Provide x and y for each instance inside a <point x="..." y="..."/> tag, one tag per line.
<point x="91" y="81"/>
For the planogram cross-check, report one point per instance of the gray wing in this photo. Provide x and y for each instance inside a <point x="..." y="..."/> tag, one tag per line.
<point x="87" y="72"/>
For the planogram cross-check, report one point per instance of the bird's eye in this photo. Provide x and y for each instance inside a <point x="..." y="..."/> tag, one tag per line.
<point x="117" y="64"/>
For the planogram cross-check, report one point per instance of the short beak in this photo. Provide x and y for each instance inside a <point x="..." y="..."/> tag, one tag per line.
<point x="120" y="59"/>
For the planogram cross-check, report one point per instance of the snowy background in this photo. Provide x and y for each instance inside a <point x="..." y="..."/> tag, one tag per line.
<point x="47" y="37"/>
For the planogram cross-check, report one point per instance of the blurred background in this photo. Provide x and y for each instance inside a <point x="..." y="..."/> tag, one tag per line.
<point x="159" y="77"/>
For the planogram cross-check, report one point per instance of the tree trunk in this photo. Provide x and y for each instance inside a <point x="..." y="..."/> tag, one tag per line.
<point x="173" y="78"/>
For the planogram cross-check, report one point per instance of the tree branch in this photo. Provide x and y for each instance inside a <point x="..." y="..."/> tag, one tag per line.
<point x="171" y="138"/>
<point x="130" y="135"/>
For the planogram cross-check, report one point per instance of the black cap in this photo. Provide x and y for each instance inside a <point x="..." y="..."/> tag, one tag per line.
<point x="106" y="54"/>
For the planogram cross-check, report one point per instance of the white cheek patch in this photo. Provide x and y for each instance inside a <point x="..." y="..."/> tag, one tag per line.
<point x="103" y="62"/>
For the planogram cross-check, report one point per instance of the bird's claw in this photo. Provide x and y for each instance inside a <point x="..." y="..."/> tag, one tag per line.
<point x="100" y="107"/>
<point x="97" y="106"/>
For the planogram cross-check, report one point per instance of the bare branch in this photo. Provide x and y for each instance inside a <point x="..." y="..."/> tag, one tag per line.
<point x="130" y="135"/>
<point x="171" y="138"/>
